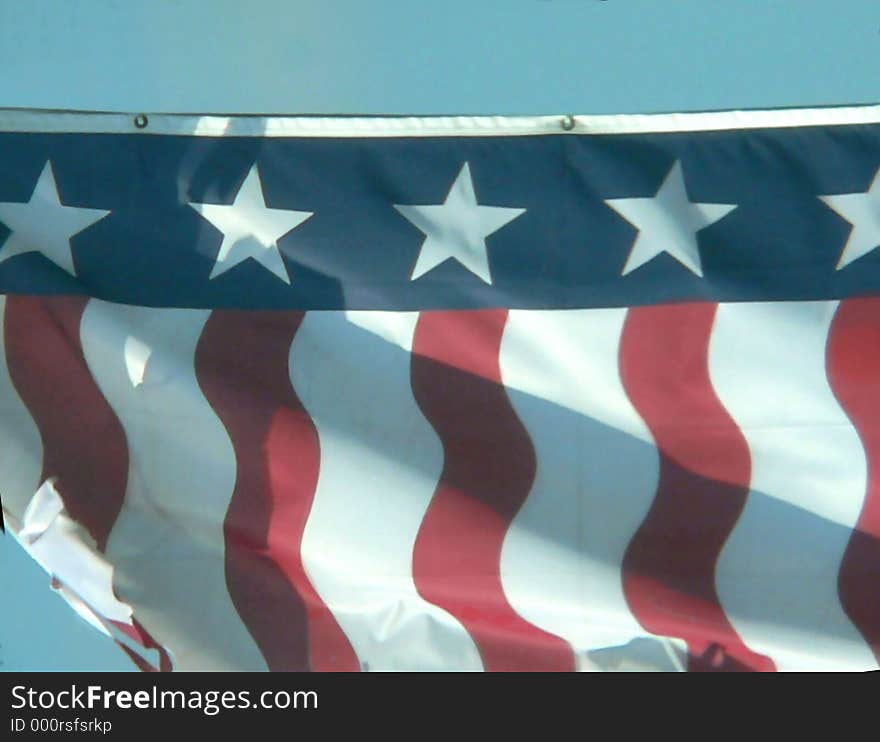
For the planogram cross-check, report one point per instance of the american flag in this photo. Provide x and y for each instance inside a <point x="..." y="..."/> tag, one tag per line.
<point x="462" y="393"/>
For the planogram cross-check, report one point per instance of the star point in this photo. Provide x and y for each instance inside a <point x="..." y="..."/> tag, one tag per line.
<point x="668" y="222"/>
<point x="251" y="229"/>
<point x="862" y="211"/>
<point x="457" y="229"/>
<point x="43" y="224"/>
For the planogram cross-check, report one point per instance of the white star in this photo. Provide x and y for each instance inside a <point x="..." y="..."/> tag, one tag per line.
<point x="457" y="228"/>
<point x="862" y="210"/>
<point x="250" y="228"/>
<point x="668" y="222"/>
<point x="44" y="225"/>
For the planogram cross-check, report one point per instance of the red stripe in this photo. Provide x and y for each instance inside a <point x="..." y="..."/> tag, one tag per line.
<point x="139" y="634"/>
<point x="705" y="469"/>
<point x="488" y="472"/>
<point x="854" y="374"/>
<point x="84" y="445"/>
<point x="242" y="367"/>
<point x="139" y="661"/>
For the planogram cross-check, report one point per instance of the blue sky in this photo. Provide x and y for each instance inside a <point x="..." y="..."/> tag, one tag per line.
<point x="488" y="56"/>
<point x="400" y="56"/>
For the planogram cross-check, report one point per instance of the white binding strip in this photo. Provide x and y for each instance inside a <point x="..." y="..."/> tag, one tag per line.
<point x="21" y="448"/>
<point x="777" y="575"/>
<point x="597" y="472"/>
<point x="82" y="122"/>
<point x="380" y="463"/>
<point x="167" y="545"/>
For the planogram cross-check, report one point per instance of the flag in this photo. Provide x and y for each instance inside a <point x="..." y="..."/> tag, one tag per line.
<point x="449" y="393"/>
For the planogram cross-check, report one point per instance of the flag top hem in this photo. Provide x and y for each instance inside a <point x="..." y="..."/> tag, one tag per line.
<point x="84" y="122"/>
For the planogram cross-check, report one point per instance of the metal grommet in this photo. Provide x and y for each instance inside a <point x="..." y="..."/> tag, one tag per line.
<point x="141" y="121"/>
<point x="567" y="123"/>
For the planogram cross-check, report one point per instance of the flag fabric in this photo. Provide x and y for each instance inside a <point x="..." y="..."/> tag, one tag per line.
<point x="464" y="393"/>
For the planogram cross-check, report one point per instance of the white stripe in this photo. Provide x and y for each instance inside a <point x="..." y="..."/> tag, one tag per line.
<point x="597" y="473"/>
<point x="27" y="120"/>
<point x="21" y="448"/>
<point x="380" y="464"/>
<point x="167" y="544"/>
<point x="777" y="574"/>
